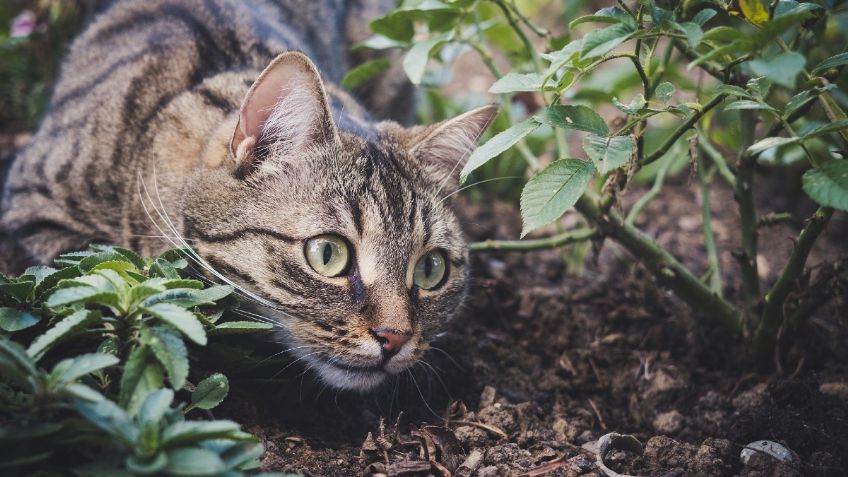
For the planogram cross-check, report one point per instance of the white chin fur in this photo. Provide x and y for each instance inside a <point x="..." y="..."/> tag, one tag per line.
<point x="340" y="378"/>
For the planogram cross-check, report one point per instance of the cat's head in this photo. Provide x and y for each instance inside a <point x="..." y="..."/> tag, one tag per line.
<point x="348" y="235"/>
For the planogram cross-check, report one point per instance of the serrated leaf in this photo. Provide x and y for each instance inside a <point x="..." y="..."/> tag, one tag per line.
<point x="71" y="369"/>
<point x="185" y="432"/>
<point x="601" y="42"/>
<point x="155" y="405"/>
<point x="771" y="142"/>
<point x="754" y="11"/>
<point x="142" y="375"/>
<point x="732" y="90"/>
<point x="179" y="318"/>
<point x="782" y="68"/>
<point x="236" y="327"/>
<point x="832" y="62"/>
<point x="515" y="82"/>
<point x="65" y="328"/>
<point x="704" y="16"/>
<point x="18" y="290"/>
<point x="636" y="105"/>
<point x="582" y="118"/>
<point x="664" y="91"/>
<point x="69" y="296"/>
<point x="12" y="319"/>
<point x="609" y="153"/>
<point x="828" y="184"/>
<point x="210" y="392"/>
<point x="109" y="417"/>
<point x="799" y="100"/>
<point x="604" y="15"/>
<point x="415" y="60"/>
<point x="189" y="297"/>
<point x="191" y="461"/>
<point x="553" y="191"/>
<point x="170" y="350"/>
<point x="365" y="72"/>
<point x="496" y="145"/>
<point x="88" y="263"/>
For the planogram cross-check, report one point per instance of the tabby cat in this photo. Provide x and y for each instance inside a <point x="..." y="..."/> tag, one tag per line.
<point x="175" y="121"/>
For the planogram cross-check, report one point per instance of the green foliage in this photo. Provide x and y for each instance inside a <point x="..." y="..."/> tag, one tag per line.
<point x="748" y="84"/>
<point x="86" y="352"/>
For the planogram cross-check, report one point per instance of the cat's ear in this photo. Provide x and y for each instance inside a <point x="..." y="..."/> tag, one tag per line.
<point x="444" y="147"/>
<point x="286" y="108"/>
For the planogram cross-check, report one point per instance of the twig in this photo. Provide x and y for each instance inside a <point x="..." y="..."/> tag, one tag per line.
<point x="718" y="159"/>
<point x="772" y="317"/>
<point x="655" y="189"/>
<point x="681" y="130"/>
<point x="554" y="241"/>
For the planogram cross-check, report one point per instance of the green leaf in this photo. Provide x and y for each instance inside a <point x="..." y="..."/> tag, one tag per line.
<point x="364" y="72"/>
<point x="609" y="153"/>
<point x="515" y="82"/>
<point x="798" y="101"/>
<point x="193" y="461"/>
<point x="53" y="280"/>
<point x="664" y="91"/>
<point x="148" y="466"/>
<point x="142" y="375"/>
<point x="109" y="417"/>
<point x="604" y="15"/>
<point x="732" y="90"/>
<point x="155" y="405"/>
<point x="187" y="432"/>
<point x="88" y="263"/>
<point x="22" y="432"/>
<point x="235" y="327"/>
<point x="14" y="359"/>
<point x="189" y="297"/>
<point x="169" y="283"/>
<point x="415" y="60"/>
<point x="782" y="68"/>
<point x="636" y="105"/>
<point x="552" y="191"/>
<point x="601" y="42"/>
<point x="170" y="350"/>
<point x="243" y="456"/>
<point x="12" y="319"/>
<point x="210" y="392"/>
<point x="69" y="370"/>
<point x="69" y="296"/>
<point x="704" y="16"/>
<point x="828" y="184"/>
<point x="496" y="145"/>
<point x="693" y="33"/>
<point x="18" y="290"/>
<point x="771" y="142"/>
<point x="832" y="62"/>
<point x="748" y="104"/>
<point x="179" y="318"/>
<point x="582" y="118"/>
<point x="65" y="328"/>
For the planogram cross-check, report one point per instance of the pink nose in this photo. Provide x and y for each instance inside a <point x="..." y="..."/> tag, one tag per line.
<point x="391" y="340"/>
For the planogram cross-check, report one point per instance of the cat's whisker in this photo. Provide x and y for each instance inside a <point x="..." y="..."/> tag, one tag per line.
<point x="432" y="369"/>
<point x="294" y="362"/>
<point x="478" y="183"/>
<point x="421" y="395"/>
<point x="448" y="356"/>
<point x="278" y="354"/>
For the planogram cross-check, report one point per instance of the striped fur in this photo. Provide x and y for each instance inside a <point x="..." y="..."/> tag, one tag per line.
<point x="136" y="150"/>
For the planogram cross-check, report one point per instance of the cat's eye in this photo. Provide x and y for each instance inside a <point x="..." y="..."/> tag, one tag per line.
<point x="327" y="254"/>
<point x="430" y="270"/>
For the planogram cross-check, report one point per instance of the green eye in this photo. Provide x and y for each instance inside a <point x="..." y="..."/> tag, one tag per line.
<point x="430" y="270"/>
<point x="327" y="255"/>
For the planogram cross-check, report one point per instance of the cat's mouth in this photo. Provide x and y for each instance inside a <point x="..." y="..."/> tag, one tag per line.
<point x="352" y="376"/>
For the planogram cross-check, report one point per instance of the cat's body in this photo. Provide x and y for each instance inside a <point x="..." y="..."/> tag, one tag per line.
<point x="159" y="128"/>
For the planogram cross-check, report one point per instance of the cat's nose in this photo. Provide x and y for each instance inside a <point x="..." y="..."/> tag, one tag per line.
<point x="391" y="340"/>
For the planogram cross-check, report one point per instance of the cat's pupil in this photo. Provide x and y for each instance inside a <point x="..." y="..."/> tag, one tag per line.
<point x="327" y="253"/>
<point x="428" y="266"/>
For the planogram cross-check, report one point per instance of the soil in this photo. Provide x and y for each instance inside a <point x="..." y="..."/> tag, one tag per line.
<point x="543" y="362"/>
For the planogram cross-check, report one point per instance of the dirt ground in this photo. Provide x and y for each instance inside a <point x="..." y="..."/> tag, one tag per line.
<point x="541" y="364"/>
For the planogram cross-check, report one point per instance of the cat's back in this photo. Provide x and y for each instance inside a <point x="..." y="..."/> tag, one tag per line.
<point x="116" y="85"/>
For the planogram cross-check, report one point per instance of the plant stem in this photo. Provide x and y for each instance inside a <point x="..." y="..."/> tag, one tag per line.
<point x="772" y="317"/>
<point x="713" y="269"/>
<point x="554" y="241"/>
<point x="681" y="130"/>
<point x="655" y="189"/>
<point x="668" y="270"/>
<point x="744" y="194"/>
<point x="718" y="159"/>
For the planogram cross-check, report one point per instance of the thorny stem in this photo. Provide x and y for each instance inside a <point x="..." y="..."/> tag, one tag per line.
<point x="744" y="194"/>
<point x="772" y="317"/>
<point x="681" y="130"/>
<point x="668" y="270"/>
<point x="554" y="241"/>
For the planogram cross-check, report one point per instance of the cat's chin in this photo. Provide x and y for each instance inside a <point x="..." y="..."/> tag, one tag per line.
<point x="350" y="378"/>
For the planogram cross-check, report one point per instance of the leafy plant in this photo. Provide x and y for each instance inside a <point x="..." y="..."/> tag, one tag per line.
<point x="93" y="354"/>
<point x="766" y="95"/>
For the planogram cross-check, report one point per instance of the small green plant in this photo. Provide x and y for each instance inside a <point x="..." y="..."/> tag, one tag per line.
<point x="93" y="354"/>
<point x="749" y="85"/>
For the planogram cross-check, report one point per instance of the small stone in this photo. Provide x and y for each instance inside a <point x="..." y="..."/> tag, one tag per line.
<point x="835" y="389"/>
<point x="488" y="471"/>
<point x="668" y="422"/>
<point x="471" y="436"/>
